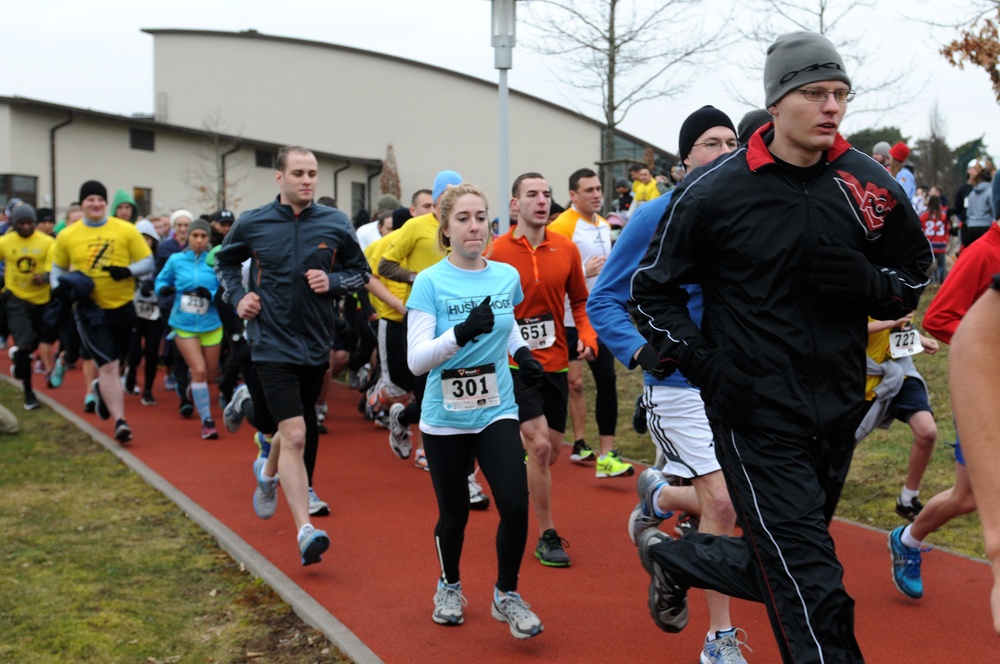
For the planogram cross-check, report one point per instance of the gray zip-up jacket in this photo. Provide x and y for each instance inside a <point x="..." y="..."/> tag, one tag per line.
<point x="295" y="324"/>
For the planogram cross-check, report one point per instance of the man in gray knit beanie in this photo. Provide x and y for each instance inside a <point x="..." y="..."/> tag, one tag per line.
<point x="798" y="238"/>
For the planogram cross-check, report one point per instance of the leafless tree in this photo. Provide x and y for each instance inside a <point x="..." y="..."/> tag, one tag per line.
<point x="878" y="81"/>
<point x="389" y="180"/>
<point x="212" y="177"/>
<point x="621" y="53"/>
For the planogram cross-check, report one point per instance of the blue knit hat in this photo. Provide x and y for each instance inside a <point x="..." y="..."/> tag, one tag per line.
<point x="441" y="182"/>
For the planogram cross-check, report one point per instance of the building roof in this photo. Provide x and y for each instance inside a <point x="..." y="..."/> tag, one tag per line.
<point x="147" y="122"/>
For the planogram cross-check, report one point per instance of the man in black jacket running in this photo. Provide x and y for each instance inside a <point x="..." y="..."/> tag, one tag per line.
<point x="795" y="239"/>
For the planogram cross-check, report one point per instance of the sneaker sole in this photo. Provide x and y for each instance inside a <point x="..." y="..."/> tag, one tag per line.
<point x="448" y="622"/>
<point x="319" y="511"/>
<point x="658" y="578"/>
<point x="622" y="473"/>
<point x="480" y="505"/>
<point x="515" y="632"/>
<point x="124" y="436"/>
<point x="549" y="563"/>
<point x="315" y="549"/>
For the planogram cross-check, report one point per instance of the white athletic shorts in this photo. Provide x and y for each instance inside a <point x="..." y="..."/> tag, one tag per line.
<point x="680" y="430"/>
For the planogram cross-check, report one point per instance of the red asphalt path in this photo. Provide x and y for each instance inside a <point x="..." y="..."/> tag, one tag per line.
<point x="378" y="578"/>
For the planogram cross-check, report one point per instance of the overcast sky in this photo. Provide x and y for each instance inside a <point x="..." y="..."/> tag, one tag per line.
<point x="93" y="54"/>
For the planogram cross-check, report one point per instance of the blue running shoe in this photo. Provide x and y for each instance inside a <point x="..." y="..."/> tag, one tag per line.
<point x="312" y="544"/>
<point x="905" y="566"/>
<point x="265" y="496"/>
<point x="58" y="372"/>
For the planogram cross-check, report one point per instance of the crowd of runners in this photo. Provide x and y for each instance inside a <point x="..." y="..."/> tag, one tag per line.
<point x="758" y="286"/>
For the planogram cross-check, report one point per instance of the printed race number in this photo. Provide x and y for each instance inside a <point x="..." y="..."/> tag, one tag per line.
<point x="904" y="343"/>
<point x="538" y="331"/>
<point x="192" y="304"/>
<point x="147" y="310"/>
<point x="470" y="389"/>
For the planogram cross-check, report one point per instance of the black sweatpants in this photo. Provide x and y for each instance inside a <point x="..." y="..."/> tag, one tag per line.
<point x="785" y="489"/>
<point x="145" y="346"/>
<point x="501" y="458"/>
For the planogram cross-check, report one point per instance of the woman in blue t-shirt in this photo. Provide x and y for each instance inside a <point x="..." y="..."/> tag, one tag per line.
<point x="460" y="318"/>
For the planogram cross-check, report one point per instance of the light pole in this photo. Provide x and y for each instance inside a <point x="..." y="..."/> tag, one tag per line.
<point x="504" y="24"/>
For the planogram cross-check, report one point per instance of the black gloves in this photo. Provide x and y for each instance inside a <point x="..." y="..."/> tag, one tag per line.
<point x="146" y="287"/>
<point x="651" y="363"/>
<point x="726" y="382"/>
<point x="844" y="274"/>
<point x="167" y="291"/>
<point x="532" y="370"/>
<point x="117" y="272"/>
<point x="202" y="292"/>
<point x="480" y="321"/>
<point x="351" y="281"/>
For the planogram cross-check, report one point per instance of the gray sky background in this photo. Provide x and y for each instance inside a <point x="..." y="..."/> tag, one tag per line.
<point x="92" y="54"/>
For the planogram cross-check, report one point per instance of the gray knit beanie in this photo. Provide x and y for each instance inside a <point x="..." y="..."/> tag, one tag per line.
<point x="799" y="58"/>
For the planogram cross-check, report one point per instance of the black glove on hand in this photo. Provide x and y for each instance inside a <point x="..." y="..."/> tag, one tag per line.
<point x="843" y="273"/>
<point x="348" y="282"/>
<point x="532" y="370"/>
<point x="202" y="292"/>
<point x="117" y="272"/>
<point x="651" y="363"/>
<point x="146" y="287"/>
<point x="167" y="291"/>
<point x="725" y="380"/>
<point x="480" y="321"/>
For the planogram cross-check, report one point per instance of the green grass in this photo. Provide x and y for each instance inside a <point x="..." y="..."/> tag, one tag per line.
<point x="96" y="566"/>
<point x="880" y="461"/>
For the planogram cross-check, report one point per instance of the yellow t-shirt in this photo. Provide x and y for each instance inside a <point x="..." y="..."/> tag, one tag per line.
<point x="643" y="193"/>
<point x="26" y="257"/>
<point x="415" y="247"/>
<point x="89" y="249"/>
<point x="878" y="350"/>
<point x="374" y="252"/>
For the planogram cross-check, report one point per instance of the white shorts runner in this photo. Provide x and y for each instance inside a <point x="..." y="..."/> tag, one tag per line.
<point x="680" y="430"/>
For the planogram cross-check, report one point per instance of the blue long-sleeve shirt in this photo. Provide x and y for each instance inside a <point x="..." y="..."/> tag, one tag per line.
<point x="606" y="306"/>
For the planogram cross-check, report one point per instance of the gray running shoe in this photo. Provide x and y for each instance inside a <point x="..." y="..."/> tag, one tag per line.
<point x="551" y="550"/>
<point x="232" y="416"/>
<point x="644" y="516"/>
<point x="725" y="648"/>
<point x="667" y="600"/>
<point x="312" y="544"/>
<point x="265" y="496"/>
<point x="477" y="499"/>
<point x="448" y="603"/>
<point x="317" y="506"/>
<point x="517" y="613"/>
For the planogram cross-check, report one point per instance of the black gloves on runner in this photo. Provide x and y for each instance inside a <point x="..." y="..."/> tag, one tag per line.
<point x="725" y="379"/>
<point x="342" y="283"/>
<point x="843" y="273"/>
<point x="532" y="370"/>
<point x="480" y="321"/>
<point x="167" y="291"/>
<point x="202" y="292"/>
<point x="651" y="363"/>
<point x="146" y="287"/>
<point x="117" y="272"/>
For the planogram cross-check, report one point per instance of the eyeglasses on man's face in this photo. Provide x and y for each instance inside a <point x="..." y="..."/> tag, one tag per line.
<point x="714" y="144"/>
<point x="821" y="95"/>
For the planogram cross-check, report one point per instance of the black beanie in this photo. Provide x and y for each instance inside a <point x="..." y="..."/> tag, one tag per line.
<point x="91" y="187"/>
<point x="400" y="216"/>
<point x="697" y="124"/>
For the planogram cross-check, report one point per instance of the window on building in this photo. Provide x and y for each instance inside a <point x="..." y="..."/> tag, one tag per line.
<point x="358" y="196"/>
<point x="141" y="139"/>
<point x="143" y="200"/>
<point x="265" y="158"/>
<point x="24" y="187"/>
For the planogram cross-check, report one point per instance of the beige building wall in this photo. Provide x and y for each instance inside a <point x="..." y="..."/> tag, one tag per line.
<point x="348" y="101"/>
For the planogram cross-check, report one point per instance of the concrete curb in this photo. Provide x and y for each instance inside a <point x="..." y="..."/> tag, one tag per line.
<point x="307" y="608"/>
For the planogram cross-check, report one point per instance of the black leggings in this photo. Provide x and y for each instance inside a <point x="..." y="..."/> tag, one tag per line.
<point x="145" y="346"/>
<point x="606" y="381"/>
<point x="501" y="458"/>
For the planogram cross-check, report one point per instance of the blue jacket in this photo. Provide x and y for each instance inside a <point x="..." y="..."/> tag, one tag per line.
<point x="187" y="271"/>
<point x="606" y="306"/>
